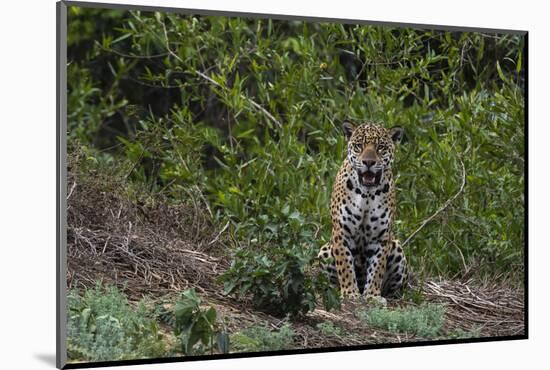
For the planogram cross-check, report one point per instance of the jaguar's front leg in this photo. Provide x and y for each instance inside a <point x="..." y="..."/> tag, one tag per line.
<point x="376" y="262"/>
<point x="341" y="250"/>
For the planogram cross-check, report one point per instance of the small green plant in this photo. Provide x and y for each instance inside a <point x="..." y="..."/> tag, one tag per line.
<point x="464" y="334"/>
<point x="103" y="326"/>
<point x="328" y="328"/>
<point x="197" y="328"/>
<point x="278" y="282"/>
<point x="425" y="320"/>
<point x="260" y="338"/>
<point x="415" y="294"/>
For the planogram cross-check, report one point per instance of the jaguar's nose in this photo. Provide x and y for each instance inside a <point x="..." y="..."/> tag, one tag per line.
<point x="369" y="162"/>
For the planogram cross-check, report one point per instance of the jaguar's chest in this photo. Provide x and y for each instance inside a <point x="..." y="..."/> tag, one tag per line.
<point x="367" y="212"/>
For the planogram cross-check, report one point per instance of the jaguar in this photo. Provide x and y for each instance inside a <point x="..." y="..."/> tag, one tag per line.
<point x="362" y="256"/>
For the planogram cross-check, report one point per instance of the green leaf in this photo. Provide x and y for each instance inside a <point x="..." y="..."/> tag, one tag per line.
<point x="193" y="337"/>
<point x="185" y="309"/>
<point x="121" y="38"/>
<point x="202" y="330"/>
<point x="285" y="210"/>
<point x="229" y="287"/>
<point x="500" y="73"/>
<point x="211" y="315"/>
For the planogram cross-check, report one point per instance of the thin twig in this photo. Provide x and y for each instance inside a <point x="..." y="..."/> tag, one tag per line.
<point x="201" y="195"/>
<point x="71" y="190"/>
<point x="219" y="234"/>
<point x="461" y="254"/>
<point x="441" y="209"/>
<point x="134" y="165"/>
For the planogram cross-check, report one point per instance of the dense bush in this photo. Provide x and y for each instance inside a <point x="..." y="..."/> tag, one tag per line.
<point x="103" y="326"/>
<point x="278" y="280"/>
<point x="247" y="112"/>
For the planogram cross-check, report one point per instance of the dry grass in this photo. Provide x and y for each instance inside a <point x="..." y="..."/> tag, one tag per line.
<point x="495" y="309"/>
<point x="145" y="247"/>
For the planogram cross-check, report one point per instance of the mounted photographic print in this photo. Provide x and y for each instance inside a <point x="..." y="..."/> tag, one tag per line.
<point x="241" y="184"/>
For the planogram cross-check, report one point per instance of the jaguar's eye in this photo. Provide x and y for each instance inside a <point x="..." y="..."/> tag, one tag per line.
<point x="358" y="147"/>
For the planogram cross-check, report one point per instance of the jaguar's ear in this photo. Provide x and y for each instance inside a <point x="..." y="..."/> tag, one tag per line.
<point x="396" y="133"/>
<point x="348" y="128"/>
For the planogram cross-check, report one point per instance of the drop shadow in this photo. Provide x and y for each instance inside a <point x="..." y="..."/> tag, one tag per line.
<point x="47" y="358"/>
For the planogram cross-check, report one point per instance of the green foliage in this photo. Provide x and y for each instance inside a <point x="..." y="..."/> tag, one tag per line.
<point x="277" y="280"/>
<point x="103" y="326"/>
<point x="424" y="320"/>
<point x="178" y="96"/>
<point x="329" y="329"/>
<point x="198" y="329"/>
<point x="259" y="338"/>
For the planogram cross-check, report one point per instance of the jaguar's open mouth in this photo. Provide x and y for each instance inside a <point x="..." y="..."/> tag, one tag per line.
<point x="369" y="178"/>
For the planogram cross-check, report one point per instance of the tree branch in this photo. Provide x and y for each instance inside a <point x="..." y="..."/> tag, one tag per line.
<point x="441" y="209"/>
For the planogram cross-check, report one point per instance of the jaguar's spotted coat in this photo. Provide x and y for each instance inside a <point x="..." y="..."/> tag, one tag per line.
<point x="362" y="255"/>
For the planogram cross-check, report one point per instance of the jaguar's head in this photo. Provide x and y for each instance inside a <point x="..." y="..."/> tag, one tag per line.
<point x="371" y="150"/>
